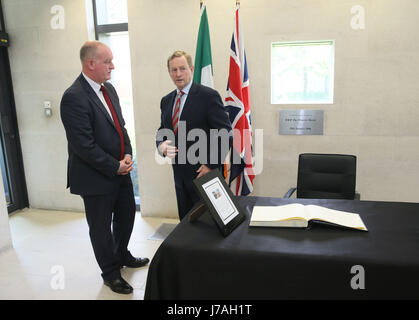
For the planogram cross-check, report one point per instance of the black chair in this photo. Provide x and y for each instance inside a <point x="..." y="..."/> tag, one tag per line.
<point x="326" y="176"/>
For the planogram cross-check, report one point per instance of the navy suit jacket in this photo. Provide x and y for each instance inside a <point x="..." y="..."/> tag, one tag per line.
<point x="204" y="110"/>
<point x="94" y="144"/>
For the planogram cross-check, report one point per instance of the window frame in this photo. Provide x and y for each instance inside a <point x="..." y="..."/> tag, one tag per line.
<point x="106" y="28"/>
<point x="330" y="42"/>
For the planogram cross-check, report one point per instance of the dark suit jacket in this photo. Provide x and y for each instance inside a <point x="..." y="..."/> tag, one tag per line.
<point x="93" y="142"/>
<point x="203" y="109"/>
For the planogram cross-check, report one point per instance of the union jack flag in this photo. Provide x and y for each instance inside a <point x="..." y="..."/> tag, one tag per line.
<point x="237" y="103"/>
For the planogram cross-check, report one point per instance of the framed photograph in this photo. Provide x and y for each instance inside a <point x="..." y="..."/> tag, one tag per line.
<point x="220" y="201"/>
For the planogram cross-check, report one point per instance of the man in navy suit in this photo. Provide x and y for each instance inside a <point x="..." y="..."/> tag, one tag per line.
<point x="195" y="130"/>
<point x="99" y="163"/>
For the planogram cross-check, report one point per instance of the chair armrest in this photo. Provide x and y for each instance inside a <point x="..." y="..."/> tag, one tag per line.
<point x="290" y="192"/>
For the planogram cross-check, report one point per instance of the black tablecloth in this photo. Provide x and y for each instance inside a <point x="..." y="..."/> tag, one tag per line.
<point x="196" y="262"/>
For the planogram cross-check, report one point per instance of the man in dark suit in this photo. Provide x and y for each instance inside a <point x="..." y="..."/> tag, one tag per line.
<point x="195" y="130"/>
<point x="99" y="163"/>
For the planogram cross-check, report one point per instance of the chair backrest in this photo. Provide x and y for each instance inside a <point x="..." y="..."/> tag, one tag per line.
<point x="326" y="176"/>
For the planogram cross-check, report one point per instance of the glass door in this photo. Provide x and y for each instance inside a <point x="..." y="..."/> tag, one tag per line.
<point x="11" y="162"/>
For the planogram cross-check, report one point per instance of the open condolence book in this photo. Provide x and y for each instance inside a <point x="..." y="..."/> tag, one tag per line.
<point x="297" y="215"/>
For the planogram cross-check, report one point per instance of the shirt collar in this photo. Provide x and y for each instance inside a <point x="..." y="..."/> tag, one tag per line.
<point x="95" y="86"/>
<point x="186" y="89"/>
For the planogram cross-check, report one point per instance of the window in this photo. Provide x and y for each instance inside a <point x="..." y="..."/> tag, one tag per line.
<point x="302" y="72"/>
<point x="111" y="12"/>
<point x="111" y="27"/>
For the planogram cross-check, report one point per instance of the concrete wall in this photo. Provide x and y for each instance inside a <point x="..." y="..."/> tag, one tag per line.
<point x="44" y="62"/>
<point x="374" y="115"/>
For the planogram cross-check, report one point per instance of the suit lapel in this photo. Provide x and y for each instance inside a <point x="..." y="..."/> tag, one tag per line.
<point x="188" y="106"/>
<point x="94" y="98"/>
<point x="115" y="105"/>
<point x="169" y="110"/>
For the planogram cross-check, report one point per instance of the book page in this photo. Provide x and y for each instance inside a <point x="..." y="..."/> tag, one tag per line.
<point x="347" y="219"/>
<point x="278" y="213"/>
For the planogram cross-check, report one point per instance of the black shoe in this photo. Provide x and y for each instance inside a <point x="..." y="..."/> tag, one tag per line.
<point x="135" y="262"/>
<point x="119" y="286"/>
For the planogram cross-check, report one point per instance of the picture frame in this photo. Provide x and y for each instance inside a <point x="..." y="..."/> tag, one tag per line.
<point x="219" y="201"/>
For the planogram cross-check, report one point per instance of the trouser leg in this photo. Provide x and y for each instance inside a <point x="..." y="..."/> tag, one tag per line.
<point x="123" y="218"/>
<point x="186" y="195"/>
<point x="99" y="209"/>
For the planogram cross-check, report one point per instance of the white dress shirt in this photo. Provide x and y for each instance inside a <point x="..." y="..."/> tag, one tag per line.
<point x="183" y="98"/>
<point x="96" y="88"/>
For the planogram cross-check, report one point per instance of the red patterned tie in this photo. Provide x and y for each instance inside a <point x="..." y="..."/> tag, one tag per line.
<point x="115" y="120"/>
<point x="175" y="118"/>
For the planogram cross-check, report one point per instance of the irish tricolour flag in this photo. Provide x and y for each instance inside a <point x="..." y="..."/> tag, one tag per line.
<point x="203" y="72"/>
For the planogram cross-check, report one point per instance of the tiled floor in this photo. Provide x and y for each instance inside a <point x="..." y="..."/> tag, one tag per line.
<point x="52" y="257"/>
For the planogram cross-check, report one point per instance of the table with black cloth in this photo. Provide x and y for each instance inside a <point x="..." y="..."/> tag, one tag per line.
<point x="196" y="262"/>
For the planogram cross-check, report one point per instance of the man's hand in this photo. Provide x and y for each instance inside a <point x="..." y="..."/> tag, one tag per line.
<point x="125" y="165"/>
<point x="168" y="150"/>
<point x="203" y="169"/>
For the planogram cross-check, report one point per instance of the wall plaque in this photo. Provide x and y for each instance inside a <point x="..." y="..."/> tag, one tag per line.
<point x="296" y="122"/>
